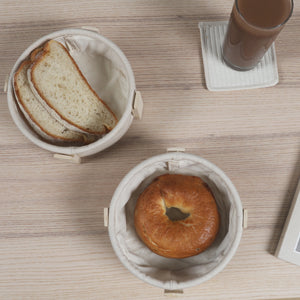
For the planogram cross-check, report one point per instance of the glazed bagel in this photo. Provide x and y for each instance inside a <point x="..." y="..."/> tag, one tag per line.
<point x="176" y="216"/>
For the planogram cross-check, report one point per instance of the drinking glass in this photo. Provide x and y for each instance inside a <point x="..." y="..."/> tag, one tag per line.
<point x="253" y="27"/>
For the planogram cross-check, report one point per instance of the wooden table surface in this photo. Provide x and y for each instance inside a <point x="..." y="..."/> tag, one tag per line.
<point x="53" y="244"/>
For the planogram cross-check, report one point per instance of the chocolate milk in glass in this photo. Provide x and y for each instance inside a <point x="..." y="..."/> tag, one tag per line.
<point x="253" y="26"/>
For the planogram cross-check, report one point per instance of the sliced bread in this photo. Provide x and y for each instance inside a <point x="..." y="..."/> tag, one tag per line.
<point x="57" y="82"/>
<point x="39" y="119"/>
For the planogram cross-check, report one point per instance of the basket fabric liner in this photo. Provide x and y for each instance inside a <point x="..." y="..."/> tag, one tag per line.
<point x="171" y="274"/>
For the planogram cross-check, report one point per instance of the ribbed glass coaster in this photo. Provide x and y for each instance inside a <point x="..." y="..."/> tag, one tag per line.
<point x="219" y="76"/>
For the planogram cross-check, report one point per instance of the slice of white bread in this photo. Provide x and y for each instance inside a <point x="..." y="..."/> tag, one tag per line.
<point x="57" y="82"/>
<point x="39" y="119"/>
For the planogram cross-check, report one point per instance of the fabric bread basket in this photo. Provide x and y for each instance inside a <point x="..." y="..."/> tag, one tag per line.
<point x="174" y="274"/>
<point x="108" y="72"/>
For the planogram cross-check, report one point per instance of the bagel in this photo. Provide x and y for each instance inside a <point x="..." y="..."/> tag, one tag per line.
<point x="176" y="216"/>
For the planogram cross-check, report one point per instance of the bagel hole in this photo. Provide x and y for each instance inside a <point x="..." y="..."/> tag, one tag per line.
<point x="175" y="214"/>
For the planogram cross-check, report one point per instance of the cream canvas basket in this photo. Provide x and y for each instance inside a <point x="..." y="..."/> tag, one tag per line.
<point x="107" y="71"/>
<point x="174" y="274"/>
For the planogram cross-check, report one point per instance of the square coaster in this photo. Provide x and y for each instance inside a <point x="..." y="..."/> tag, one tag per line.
<point x="219" y="76"/>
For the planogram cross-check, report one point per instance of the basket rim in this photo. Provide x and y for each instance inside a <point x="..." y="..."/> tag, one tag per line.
<point x="85" y="150"/>
<point x="164" y="158"/>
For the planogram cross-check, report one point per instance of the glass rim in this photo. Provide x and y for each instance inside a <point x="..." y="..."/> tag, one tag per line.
<point x="265" y="28"/>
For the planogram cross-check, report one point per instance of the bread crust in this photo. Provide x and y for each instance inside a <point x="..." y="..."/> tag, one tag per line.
<point x="179" y="238"/>
<point x="51" y="109"/>
<point x="35" y="53"/>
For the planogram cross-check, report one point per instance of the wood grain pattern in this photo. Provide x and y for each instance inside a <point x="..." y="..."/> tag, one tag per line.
<point x="52" y="241"/>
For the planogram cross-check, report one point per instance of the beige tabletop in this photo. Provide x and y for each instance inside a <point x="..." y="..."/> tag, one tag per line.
<point x="53" y="244"/>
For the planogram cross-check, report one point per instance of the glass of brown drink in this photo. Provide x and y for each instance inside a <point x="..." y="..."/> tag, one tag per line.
<point x="252" y="28"/>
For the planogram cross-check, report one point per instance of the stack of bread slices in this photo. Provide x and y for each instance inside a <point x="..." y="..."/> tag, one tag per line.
<point x="56" y="99"/>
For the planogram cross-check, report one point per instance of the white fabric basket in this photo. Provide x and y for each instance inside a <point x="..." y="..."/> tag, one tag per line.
<point x="107" y="71"/>
<point x="166" y="273"/>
